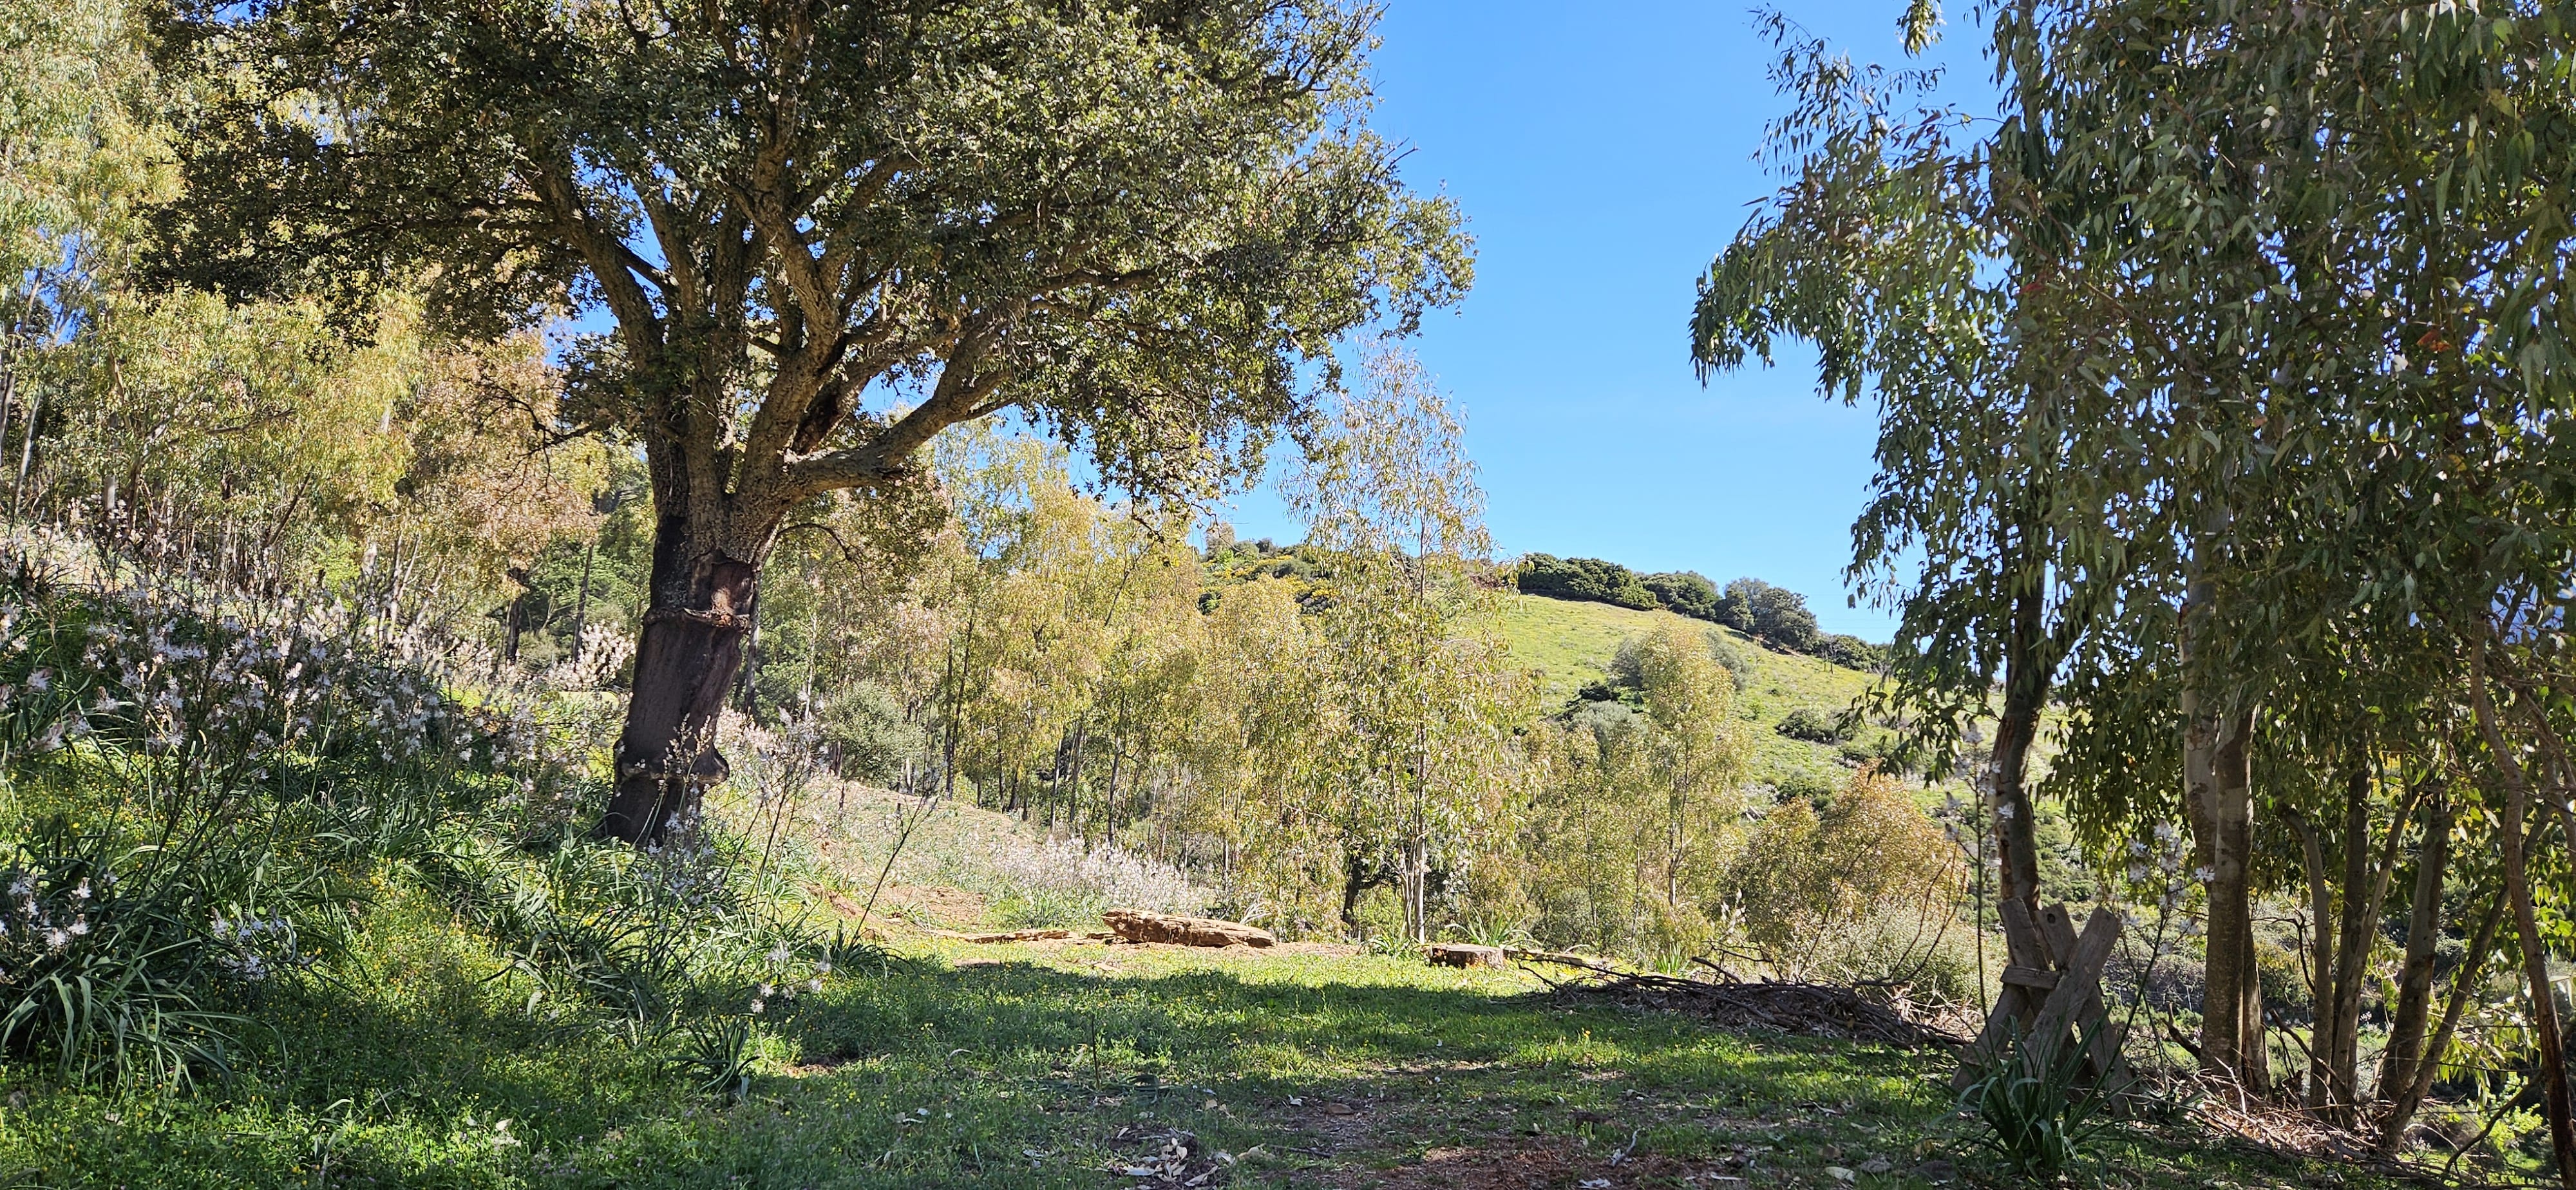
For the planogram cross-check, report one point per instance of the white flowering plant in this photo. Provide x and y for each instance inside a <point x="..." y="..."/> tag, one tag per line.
<point x="192" y="791"/>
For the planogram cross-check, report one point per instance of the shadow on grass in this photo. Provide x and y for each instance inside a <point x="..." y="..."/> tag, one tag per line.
<point x="1015" y="1074"/>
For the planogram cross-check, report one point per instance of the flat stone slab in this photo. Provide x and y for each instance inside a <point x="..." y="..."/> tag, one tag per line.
<point x="1461" y="954"/>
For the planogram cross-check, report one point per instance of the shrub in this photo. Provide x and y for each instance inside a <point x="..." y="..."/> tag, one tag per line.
<point x="1738" y="666"/>
<point x="1686" y="592"/>
<point x="252" y="765"/>
<point x="1815" y="727"/>
<point x="1851" y="652"/>
<point x="1814" y="789"/>
<point x="2035" y="1103"/>
<point x="1775" y="615"/>
<point x="1807" y="884"/>
<point x="1062" y="883"/>
<point x="863" y="726"/>
<point x="1587" y="579"/>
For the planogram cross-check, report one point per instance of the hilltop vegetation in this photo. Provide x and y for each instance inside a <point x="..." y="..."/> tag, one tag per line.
<point x="1750" y="607"/>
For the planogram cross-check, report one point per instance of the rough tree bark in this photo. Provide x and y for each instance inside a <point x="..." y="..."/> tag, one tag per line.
<point x="702" y="601"/>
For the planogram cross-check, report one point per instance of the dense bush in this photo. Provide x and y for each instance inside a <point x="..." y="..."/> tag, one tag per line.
<point x="1773" y="615"/>
<point x="1814" y="726"/>
<point x="1851" y="652"/>
<point x="1687" y="592"/>
<point x="1588" y="579"/>
<point x="1777" y="616"/>
<point x="203" y="788"/>
<point x="1868" y="884"/>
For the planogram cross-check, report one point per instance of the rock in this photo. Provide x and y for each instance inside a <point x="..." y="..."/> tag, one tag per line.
<point x="1936" y="1171"/>
<point x="1136" y="925"/>
<point x="1460" y="954"/>
<point x="1877" y="1165"/>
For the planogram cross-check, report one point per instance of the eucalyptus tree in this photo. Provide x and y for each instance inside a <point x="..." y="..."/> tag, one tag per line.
<point x="81" y="152"/>
<point x="1427" y="694"/>
<point x="821" y="233"/>
<point x="2337" y="237"/>
<point x="1919" y="259"/>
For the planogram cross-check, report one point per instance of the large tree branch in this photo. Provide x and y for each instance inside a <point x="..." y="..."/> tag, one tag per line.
<point x="959" y="397"/>
<point x="606" y="254"/>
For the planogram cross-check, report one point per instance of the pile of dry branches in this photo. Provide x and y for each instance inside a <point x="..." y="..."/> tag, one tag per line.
<point x="1812" y="1009"/>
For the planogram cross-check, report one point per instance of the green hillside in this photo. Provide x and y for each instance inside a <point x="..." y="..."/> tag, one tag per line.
<point x="1572" y="643"/>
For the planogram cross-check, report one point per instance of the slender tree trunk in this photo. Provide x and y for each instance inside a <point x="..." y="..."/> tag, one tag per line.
<point x="2423" y="938"/>
<point x="2219" y="802"/>
<point x="2026" y="679"/>
<point x="2535" y="956"/>
<point x="2366" y="879"/>
<point x="2321" y="954"/>
<point x="581" y="602"/>
<point x="2428" y="1061"/>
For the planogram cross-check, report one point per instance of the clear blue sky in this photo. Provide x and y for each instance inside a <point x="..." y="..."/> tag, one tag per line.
<point x="1602" y="153"/>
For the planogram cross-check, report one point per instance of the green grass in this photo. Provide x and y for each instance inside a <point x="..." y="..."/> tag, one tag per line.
<point x="417" y="1062"/>
<point x="1571" y="644"/>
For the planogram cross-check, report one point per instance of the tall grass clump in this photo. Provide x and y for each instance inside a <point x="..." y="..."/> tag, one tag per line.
<point x="1060" y="882"/>
<point x="201" y="791"/>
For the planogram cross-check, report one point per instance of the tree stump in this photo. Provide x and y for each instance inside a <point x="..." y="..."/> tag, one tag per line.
<point x="1460" y="954"/>
<point x="1136" y="925"/>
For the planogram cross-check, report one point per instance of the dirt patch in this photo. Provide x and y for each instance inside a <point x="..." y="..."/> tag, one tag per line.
<point x="935" y="905"/>
<point x="1553" y="1163"/>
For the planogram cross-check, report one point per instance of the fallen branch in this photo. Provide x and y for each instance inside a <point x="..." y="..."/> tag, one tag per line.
<point x="1816" y="1009"/>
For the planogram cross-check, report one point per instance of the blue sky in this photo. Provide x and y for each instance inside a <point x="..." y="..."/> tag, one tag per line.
<point x="1603" y="153"/>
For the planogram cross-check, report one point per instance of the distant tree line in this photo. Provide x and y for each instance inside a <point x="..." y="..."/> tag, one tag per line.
<point x="1776" y="616"/>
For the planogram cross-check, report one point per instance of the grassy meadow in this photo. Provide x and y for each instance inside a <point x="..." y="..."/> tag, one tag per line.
<point x="416" y="1061"/>
<point x="1571" y="643"/>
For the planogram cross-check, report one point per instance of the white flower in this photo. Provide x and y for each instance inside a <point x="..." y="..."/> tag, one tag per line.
<point x="2204" y="873"/>
<point x="2004" y="812"/>
<point x="779" y="954"/>
<point x="756" y="1006"/>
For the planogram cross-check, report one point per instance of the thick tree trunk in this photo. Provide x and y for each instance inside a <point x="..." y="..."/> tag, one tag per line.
<point x="701" y="610"/>
<point x="2423" y="937"/>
